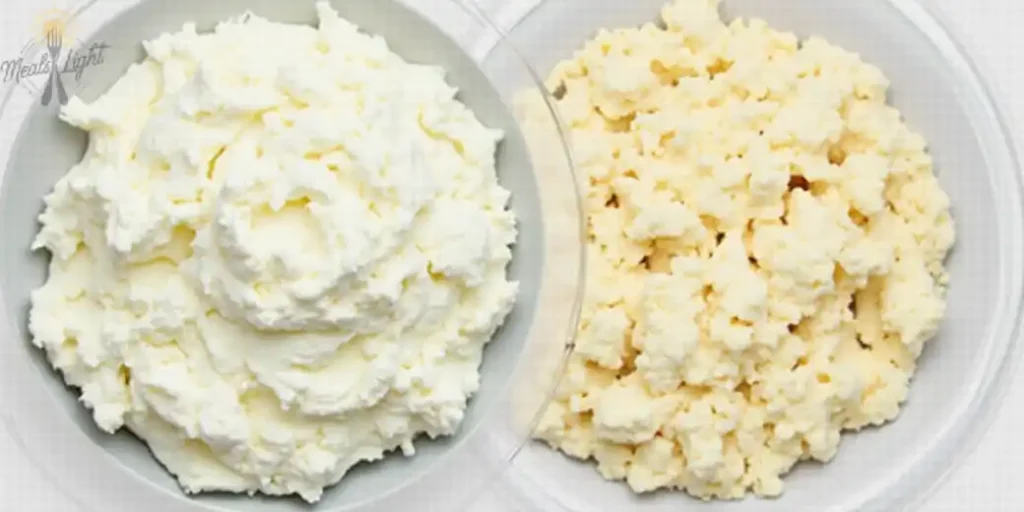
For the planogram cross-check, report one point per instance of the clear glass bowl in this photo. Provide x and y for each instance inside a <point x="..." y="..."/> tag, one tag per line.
<point x="964" y="373"/>
<point x="99" y="471"/>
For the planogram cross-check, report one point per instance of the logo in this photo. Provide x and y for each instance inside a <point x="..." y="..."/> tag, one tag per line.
<point x="52" y="54"/>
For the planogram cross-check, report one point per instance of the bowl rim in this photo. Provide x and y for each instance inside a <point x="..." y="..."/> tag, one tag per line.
<point x="920" y="481"/>
<point x="976" y="423"/>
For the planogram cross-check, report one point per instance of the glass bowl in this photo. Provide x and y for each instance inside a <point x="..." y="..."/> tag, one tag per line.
<point x="521" y="365"/>
<point x="964" y="372"/>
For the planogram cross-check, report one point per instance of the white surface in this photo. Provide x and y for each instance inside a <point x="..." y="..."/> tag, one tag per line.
<point x="981" y="484"/>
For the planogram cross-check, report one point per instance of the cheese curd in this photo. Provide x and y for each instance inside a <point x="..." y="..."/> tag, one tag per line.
<point x="766" y="245"/>
<point x="282" y="254"/>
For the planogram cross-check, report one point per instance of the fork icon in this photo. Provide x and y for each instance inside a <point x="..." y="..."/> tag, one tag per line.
<point x="54" y="43"/>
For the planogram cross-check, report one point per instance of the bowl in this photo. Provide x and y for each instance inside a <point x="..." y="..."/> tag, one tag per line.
<point x="520" y="365"/>
<point x="963" y="372"/>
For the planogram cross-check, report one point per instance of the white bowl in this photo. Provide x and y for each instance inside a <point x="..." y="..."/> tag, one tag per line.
<point x="520" y="366"/>
<point x="965" y="370"/>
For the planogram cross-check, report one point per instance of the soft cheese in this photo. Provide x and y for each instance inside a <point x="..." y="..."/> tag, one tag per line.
<point x="766" y="253"/>
<point x="282" y="254"/>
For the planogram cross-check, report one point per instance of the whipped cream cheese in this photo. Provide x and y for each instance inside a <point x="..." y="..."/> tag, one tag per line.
<point x="282" y="254"/>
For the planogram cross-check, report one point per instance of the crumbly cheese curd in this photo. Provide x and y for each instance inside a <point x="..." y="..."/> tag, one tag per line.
<point x="281" y="255"/>
<point x="766" y="246"/>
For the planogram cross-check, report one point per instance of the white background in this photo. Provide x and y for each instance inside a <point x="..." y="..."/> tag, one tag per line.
<point x="987" y="481"/>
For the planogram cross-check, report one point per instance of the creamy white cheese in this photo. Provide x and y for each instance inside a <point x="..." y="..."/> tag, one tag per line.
<point x="282" y="254"/>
